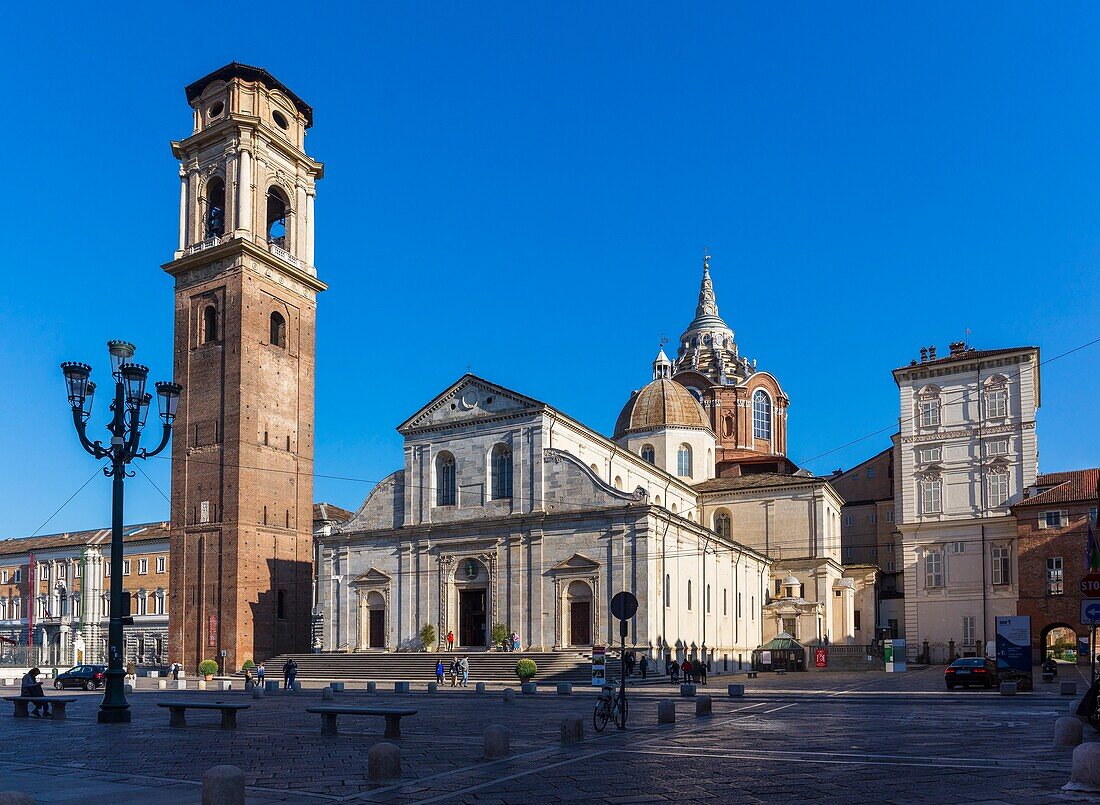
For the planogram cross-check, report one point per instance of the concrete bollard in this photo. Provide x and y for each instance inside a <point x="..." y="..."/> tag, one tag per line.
<point x="162" y="684"/>
<point x="296" y="687"/>
<point x="1085" y="774"/>
<point x="1072" y="709"/>
<point x="479" y="687"/>
<point x="666" y="711"/>
<point x="1068" y="731"/>
<point x="383" y="761"/>
<point x="372" y="687"/>
<point x="202" y="684"/>
<point x="509" y="695"/>
<point x="400" y="687"/>
<point x="227" y="684"/>
<point x="702" y="706"/>
<point x="687" y="689"/>
<point x="572" y="729"/>
<point x="1008" y="688"/>
<point x="257" y="692"/>
<point x="223" y="785"/>
<point x="735" y="691"/>
<point x="496" y="742"/>
<point x="271" y="685"/>
<point x="15" y="798"/>
<point x="529" y="687"/>
<point x="327" y="695"/>
<point x="153" y="674"/>
<point x="181" y="684"/>
<point x="337" y="687"/>
<point x="565" y="688"/>
<point x="1069" y="688"/>
<point x="433" y="687"/>
<point x="128" y="689"/>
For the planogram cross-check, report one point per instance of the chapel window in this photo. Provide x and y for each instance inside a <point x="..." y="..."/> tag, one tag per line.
<point x="683" y="461"/>
<point x="445" y="480"/>
<point x="722" y="524"/>
<point x="761" y="415"/>
<point x="648" y="454"/>
<point x="502" y="472"/>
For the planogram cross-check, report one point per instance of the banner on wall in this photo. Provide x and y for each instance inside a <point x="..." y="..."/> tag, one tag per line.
<point x="1014" y="647"/>
<point x="599" y="665"/>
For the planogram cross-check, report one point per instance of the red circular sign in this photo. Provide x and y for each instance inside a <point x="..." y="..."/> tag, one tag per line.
<point x="1090" y="585"/>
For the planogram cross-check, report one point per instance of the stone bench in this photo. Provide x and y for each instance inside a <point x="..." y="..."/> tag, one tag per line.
<point x="57" y="705"/>
<point x="392" y="715"/>
<point x="751" y="674"/>
<point x="177" y="710"/>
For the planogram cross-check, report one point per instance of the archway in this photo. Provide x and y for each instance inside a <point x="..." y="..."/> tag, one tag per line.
<point x="472" y="583"/>
<point x="578" y="606"/>
<point x="1058" y="640"/>
<point x="376" y="620"/>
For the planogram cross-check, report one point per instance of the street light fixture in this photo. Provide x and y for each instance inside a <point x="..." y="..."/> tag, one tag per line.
<point x="129" y="410"/>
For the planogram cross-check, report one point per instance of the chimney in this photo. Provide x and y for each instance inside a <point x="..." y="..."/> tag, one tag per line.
<point x="957" y="347"/>
<point x="932" y="353"/>
<point x="923" y="354"/>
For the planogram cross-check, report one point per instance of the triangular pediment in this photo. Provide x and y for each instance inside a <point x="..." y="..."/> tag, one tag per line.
<point x="468" y="400"/>
<point x="371" y="576"/>
<point x="578" y="562"/>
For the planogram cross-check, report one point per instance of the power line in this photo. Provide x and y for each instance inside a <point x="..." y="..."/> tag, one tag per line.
<point x="69" y="500"/>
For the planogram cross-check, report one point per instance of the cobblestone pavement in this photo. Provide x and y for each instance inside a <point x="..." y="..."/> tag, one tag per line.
<point x="824" y="737"/>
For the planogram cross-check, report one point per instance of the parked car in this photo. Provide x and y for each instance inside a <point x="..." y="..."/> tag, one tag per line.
<point x="88" y="677"/>
<point x="972" y="671"/>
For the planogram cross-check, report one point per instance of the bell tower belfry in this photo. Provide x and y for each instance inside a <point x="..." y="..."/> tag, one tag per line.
<point x="245" y="317"/>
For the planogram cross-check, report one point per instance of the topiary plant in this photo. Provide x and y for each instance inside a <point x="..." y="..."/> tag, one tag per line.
<point x="499" y="633"/>
<point x="248" y="665"/>
<point x="526" y="669"/>
<point x="208" y="668"/>
<point x="427" y="636"/>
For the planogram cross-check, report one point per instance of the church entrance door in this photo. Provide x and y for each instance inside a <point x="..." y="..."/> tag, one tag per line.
<point x="580" y="623"/>
<point x="377" y="628"/>
<point x="471" y="618"/>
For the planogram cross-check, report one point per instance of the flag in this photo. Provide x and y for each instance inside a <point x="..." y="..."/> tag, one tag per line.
<point x="1092" y="547"/>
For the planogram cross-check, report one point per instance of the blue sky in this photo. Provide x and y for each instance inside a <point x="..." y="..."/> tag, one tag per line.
<point x="528" y="190"/>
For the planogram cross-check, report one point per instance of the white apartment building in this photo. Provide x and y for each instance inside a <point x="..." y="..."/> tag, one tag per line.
<point x="965" y="452"/>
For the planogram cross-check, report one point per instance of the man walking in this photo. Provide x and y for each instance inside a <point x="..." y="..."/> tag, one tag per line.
<point x="464" y="667"/>
<point x="260" y="674"/>
<point x="643" y="665"/>
<point x="439" y="671"/>
<point x="175" y="671"/>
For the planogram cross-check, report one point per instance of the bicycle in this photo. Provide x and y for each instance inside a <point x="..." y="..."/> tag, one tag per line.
<point x="610" y="705"/>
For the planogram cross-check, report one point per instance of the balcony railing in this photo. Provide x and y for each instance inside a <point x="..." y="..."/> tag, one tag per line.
<point x="209" y="243"/>
<point x="276" y="247"/>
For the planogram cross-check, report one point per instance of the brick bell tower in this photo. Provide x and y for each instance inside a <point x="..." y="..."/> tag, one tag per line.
<point x="245" y="317"/>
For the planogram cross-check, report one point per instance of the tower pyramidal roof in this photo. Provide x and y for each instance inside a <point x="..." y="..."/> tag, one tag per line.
<point x="707" y="345"/>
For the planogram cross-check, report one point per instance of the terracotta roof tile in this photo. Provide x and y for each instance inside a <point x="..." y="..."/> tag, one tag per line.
<point x="757" y="480"/>
<point x="1074" y="486"/>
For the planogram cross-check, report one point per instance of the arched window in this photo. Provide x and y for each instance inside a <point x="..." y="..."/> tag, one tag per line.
<point x="215" y="208"/>
<point x="683" y="461"/>
<point x="209" y="325"/>
<point x="595" y="470"/>
<point x="445" y="480"/>
<point x="502" y="472"/>
<point x="277" y="209"/>
<point x="278" y="330"/>
<point x="761" y="415"/>
<point x="722" y="524"/>
<point x="689" y="593"/>
<point x="648" y="454"/>
<point x="618" y="482"/>
<point x="668" y="590"/>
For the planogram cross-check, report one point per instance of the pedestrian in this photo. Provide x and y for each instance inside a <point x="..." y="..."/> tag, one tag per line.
<point x="454" y="672"/>
<point x="464" y="667"/>
<point x="175" y="671"/>
<point x="628" y="663"/>
<point x="515" y="641"/>
<point x="439" y="671"/>
<point x="290" y="670"/>
<point x="260" y="674"/>
<point x="687" y="670"/>
<point x="643" y="666"/>
<point x="702" y="667"/>
<point x="673" y="672"/>
<point x="450" y="641"/>
<point x="29" y="686"/>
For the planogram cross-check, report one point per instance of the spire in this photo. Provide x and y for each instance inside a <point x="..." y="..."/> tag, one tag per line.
<point x="708" y="305"/>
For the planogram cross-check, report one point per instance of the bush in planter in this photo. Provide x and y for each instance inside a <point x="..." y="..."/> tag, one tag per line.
<point x="248" y="665"/>
<point x="499" y="633"/>
<point x="208" y="668"/>
<point x="427" y="636"/>
<point x="526" y="669"/>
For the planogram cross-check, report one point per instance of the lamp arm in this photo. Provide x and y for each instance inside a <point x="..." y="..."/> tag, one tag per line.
<point x="135" y="433"/>
<point x="94" y="448"/>
<point x="165" y="436"/>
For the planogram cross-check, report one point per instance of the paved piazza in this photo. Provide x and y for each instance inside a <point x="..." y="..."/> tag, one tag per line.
<point x="814" y="736"/>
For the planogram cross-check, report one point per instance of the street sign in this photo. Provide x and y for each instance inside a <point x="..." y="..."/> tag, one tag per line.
<point x="624" y="605"/>
<point x="821" y="657"/>
<point x="1090" y="613"/>
<point x="1090" y="585"/>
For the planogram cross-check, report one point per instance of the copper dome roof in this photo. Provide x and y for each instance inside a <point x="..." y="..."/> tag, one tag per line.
<point x="661" y="404"/>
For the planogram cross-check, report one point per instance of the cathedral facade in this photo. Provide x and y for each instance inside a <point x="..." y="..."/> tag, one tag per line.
<point x="508" y="512"/>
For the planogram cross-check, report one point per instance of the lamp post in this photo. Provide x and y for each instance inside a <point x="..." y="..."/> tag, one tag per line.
<point x="129" y="408"/>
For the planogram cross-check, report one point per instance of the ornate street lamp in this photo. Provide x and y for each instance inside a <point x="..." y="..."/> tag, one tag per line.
<point x="129" y="409"/>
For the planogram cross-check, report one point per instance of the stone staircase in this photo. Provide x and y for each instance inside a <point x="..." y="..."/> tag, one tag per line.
<point x="419" y="666"/>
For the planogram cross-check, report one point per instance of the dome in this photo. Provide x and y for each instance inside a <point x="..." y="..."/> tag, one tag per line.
<point x="791" y="581"/>
<point x="661" y="404"/>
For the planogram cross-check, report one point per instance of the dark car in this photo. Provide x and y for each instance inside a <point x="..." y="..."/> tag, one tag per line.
<point x="971" y="671"/>
<point x="88" y="677"/>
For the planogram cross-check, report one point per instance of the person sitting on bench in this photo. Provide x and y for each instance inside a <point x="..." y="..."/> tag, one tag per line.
<point x="31" y="687"/>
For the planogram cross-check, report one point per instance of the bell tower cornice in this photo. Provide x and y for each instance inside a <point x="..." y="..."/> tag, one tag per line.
<point x="231" y="250"/>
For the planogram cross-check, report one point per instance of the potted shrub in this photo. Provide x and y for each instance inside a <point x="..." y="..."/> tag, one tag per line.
<point x="526" y="670"/>
<point x="499" y="634"/>
<point x="248" y="665"/>
<point x="427" y="636"/>
<point x="208" y="668"/>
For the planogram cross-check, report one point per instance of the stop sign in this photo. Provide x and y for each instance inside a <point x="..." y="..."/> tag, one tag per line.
<point x="1090" y="585"/>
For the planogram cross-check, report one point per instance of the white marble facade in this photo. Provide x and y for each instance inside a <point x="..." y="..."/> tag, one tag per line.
<point x="445" y="541"/>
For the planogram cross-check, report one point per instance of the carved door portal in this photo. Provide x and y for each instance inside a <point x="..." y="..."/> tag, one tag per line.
<point x="377" y="628"/>
<point x="580" y="623"/>
<point x="471" y="618"/>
